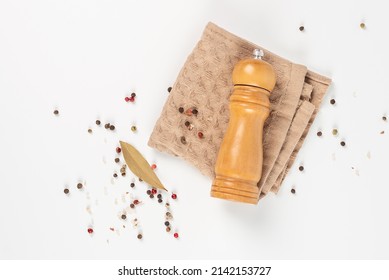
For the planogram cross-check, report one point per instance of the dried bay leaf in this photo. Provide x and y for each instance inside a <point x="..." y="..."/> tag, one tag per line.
<point x="139" y="165"/>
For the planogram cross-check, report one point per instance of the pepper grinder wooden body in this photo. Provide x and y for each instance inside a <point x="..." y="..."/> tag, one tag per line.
<point x="239" y="164"/>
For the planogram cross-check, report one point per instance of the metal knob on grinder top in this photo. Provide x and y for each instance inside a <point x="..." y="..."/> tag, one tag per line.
<point x="239" y="163"/>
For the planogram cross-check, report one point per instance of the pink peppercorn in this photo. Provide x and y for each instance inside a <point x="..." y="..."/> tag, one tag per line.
<point x="136" y="201"/>
<point x="132" y="99"/>
<point x="153" y="191"/>
<point x="175" y="235"/>
<point x="200" y="134"/>
<point x="153" y="166"/>
<point x="127" y="99"/>
<point x="90" y="230"/>
<point x="174" y="196"/>
<point x="118" y="150"/>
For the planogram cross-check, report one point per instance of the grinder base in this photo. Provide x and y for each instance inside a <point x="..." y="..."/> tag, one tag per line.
<point x="235" y="190"/>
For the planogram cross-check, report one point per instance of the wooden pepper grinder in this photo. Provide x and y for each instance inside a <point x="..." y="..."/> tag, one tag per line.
<point x="239" y="163"/>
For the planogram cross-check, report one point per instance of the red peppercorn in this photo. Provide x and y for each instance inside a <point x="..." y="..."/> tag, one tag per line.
<point x="118" y="150"/>
<point x="153" y="191"/>
<point x="200" y="134"/>
<point x="153" y="166"/>
<point x="90" y="230"/>
<point x="174" y="196"/>
<point x="136" y="202"/>
<point x="176" y="235"/>
<point x="132" y="99"/>
<point x="127" y="99"/>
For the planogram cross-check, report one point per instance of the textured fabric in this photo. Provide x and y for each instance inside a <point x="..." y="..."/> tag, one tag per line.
<point x="205" y="83"/>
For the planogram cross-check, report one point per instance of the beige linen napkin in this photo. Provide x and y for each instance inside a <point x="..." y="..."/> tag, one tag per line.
<point x="205" y="83"/>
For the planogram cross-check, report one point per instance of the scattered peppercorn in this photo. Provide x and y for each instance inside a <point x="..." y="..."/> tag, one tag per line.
<point x="382" y="132"/>
<point x="174" y="196"/>
<point x="160" y="200"/>
<point x="194" y="111"/>
<point x="123" y="174"/>
<point x="153" y="191"/>
<point x="139" y="236"/>
<point x="153" y="166"/>
<point x="183" y="140"/>
<point x="181" y="110"/>
<point x="132" y="205"/>
<point x="133" y="94"/>
<point x="112" y="127"/>
<point x="159" y="195"/>
<point x="176" y="235"/>
<point x="169" y="89"/>
<point x="148" y="192"/>
<point x="133" y="128"/>
<point x="132" y="99"/>
<point x="56" y="112"/>
<point x="140" y="180"/>
<point x="132" y="185"/>
<point x="136" y="202"/>
<point x="118" y="150"/>
<point x="79" y="186"/>
<point x="334" y="132"/>
<point x="301" y="28"/>
<point x="107" y="125"/>
<point x="189" y="112"/>
<point x="151" y="196"/>
<point x="362" y="25"/>
<point x="200" y="135"/>
<point x="167" y="204"/>
<point x="66" y="191"/>
<point x="90" y="130"/>
<point x="301" y="168"/>
<point x="98" y="122"/>
<point x="293" y="191"/>
<point x="384" y="118"/>
<point x="117" y="160"/>
<point x="115" y="175"/>
<point x="167" y="223"/>
<point x="124" y="217"/>
<point x="90" y="230"/>
<point x="168" y="229"/>
<point x="187" y="123"/>
<point x="319" y="133"/>
<point x="332" y="101"/>
<point x="127" y="99"/>
<point x="343" y="143"/>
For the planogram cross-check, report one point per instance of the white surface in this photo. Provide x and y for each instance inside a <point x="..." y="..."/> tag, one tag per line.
<point x="83" y="57"/>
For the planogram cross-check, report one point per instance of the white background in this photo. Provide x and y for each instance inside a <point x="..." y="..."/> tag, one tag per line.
<point x="84" y="57"/>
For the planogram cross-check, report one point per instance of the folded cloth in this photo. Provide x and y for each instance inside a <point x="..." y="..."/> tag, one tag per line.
<point x="205" y="83"/>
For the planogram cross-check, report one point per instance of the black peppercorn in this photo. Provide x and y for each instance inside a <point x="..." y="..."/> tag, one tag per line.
<point x="107" y="125"/>
<point x="56" y="112"/>
<point x="115" y="175"/>
<point x="301" y="28"/>
<point x="169" y="89"/>
<point x="160" y="200"/>
<point x="66" y="191"/>
<point x="293" y="191"/>
<point x="98" y="122"/>
<point x="194" y="111"/>
<point x="319" y="133"/>
<point x="139" y="236"/>
<point x="343" y="143"/>
<point x="332" y="101"/>
<point x="132" y="185"/>
<point x="151" y="196"/>
<point x="123" y="174"/>
<point x="167" y="223"/>
<point x="159" y="195"/>
<point x="124" y="217"/>
<point x="168" y="229"/>
<point x="183" y="140"/>
<point x="301" y="168"/>
<point x="148" y="192"/>
<point x="384" y="118"/>
<point x="187" y="123"/>
<point x="181" y="110"/>
<point x="79" y="186"/>
<point x="112" y="127"/>
<point x="132" y="205"/>
<point x="117" y="160"/>
<point x="133" y="94"/>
